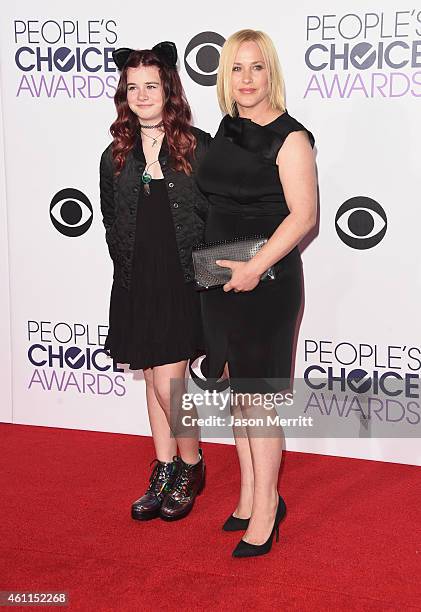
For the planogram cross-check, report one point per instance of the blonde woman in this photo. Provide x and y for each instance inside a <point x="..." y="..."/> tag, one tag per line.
<point x="259" y="177"/>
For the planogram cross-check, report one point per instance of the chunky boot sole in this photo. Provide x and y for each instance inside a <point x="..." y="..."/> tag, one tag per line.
<point x="182" y="515"/>
<point x="145" y="516"/>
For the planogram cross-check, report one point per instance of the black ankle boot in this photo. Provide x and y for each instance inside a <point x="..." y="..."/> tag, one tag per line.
<point x="160" y="482"/>
<point x="190" y="482"/>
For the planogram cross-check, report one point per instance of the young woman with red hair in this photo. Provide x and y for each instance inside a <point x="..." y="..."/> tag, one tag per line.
<point x="152" y="216"/>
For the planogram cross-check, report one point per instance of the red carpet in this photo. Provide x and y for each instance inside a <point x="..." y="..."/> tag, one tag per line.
<point x="351" y="539"/>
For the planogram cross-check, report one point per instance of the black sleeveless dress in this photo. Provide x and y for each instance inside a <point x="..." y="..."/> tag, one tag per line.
<point x="157" y="321"/>
<point x="254" y="330"/>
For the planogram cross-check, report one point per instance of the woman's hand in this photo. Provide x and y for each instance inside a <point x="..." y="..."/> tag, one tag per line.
<point x="243" y="277"/>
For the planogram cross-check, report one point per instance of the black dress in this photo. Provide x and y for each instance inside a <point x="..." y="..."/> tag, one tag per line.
<point x="254" y="330"/>
<point x="156" y="321"/>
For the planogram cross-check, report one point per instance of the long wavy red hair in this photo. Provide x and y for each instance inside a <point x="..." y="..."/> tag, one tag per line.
<point x="176" y="115"/>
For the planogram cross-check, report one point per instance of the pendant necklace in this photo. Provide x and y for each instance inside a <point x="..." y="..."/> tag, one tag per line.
<point x="146" y="178"/>
<point x="155" y="140"/>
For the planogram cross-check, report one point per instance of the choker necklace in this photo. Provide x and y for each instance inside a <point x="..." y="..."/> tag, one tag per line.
<point x="151" y="127"/>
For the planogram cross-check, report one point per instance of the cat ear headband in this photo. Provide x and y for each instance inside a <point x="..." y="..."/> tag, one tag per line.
<point x="166" y="52"/>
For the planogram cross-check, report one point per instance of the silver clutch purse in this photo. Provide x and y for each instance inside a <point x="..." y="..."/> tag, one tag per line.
<point x="208" y="274"/>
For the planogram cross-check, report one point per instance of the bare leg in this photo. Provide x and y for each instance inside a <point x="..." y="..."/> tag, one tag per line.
<point x="245" y="502"/>
<point x="266" y="454"/>
<point x="165" y="444"/>
<point x="188" y="446"/>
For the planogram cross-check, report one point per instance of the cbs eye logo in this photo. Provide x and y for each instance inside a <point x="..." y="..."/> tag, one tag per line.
<point x="361" y="223"/>
<point x="201" y="57"/>
<point x="71" y="212"/>
<point x="198" y="374"/>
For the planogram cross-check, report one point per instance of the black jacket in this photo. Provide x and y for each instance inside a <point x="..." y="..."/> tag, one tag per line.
<point x="119" y="196"/>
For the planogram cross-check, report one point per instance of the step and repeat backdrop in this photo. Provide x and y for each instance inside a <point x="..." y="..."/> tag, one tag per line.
<point x="5" y="369"/>
<point x="353" y="77"/>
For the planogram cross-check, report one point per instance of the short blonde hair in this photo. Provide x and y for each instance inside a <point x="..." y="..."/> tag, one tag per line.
<point x="226" y="63"/>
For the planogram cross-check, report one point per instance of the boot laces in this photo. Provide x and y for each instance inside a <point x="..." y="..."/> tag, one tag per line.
<point x="180" y="485"/>
<point x="159" y="477"/>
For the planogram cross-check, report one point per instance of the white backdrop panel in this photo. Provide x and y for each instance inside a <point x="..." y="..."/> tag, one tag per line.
<point x="367" y="147"/>
<point x="6" y="362"/>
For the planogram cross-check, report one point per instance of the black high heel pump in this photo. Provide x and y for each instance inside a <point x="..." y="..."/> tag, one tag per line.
<point x="233" y="523"/>
<point x="244" y="549"/>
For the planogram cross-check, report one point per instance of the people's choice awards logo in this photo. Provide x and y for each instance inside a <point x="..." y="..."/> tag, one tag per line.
<point x="363" y="55"/>
<point x="70" y="357"/>
<point x="364" y="380"/>
<point x="65" y="58"/>
<point x="201" y="57"/>
<point x="71" y="212"/>
<point x="361" y="223"/>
